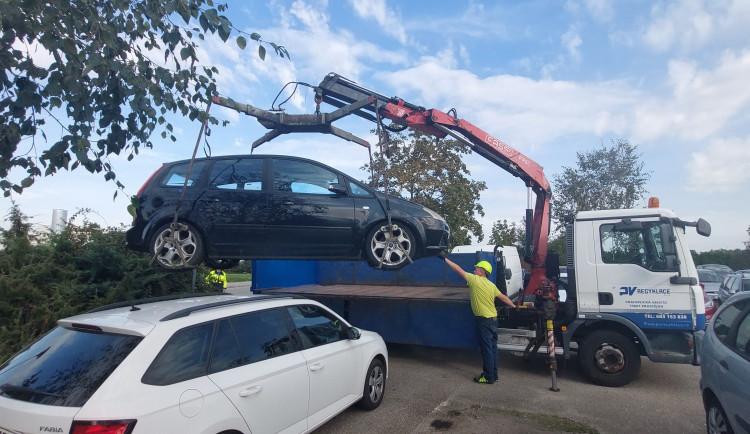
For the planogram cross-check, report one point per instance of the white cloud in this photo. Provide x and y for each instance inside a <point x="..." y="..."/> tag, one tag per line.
<point x="519" y="109"/>
<point x="571" y="40"/>
<point x="723" y="166"/>
<point x="389" y="20"/>
<point x="693" y="24"/>
<point x="702" y="101"/>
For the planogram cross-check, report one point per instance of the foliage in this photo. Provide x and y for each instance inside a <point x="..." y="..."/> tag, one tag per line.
<point x="95" y="68"/>
<point x="747" y="243"/>
<point x="434" y="175"/>
<point x="508" y="234"/>
<point x="737" y="259"/>
<point x="606" y="178"/>
<point x="47" y="277"/>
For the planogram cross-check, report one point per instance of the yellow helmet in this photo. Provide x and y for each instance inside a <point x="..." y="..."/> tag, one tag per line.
<point x="485" y="266"/>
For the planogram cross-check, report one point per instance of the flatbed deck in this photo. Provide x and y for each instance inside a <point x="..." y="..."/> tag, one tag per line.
<point x="433" y="293"/>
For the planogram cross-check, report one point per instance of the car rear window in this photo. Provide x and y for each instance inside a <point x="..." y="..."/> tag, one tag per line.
<point x="176" y="175"/>
<point x="65" y="367"/>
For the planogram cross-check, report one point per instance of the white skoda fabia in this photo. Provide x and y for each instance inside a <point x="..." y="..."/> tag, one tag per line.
<point x="197" y="364"/>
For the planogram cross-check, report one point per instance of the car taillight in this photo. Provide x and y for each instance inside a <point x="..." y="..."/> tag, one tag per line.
<point x="103" y="427"/>
<point x="708" y="302"/>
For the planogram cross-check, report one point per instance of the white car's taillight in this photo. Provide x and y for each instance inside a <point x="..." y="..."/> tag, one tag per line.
<point x="103" y="427"/>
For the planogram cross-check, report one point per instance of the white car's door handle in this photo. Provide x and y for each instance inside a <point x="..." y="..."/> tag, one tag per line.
<point x="251" y="391"/>
<point x="316" y="367"/>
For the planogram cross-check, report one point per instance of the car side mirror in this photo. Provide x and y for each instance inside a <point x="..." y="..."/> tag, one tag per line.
<point x="337" y="188"/>
<point x="353" y="333"/>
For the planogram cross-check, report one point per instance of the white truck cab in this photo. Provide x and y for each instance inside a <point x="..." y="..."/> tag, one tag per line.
<point x="635" y="289"/>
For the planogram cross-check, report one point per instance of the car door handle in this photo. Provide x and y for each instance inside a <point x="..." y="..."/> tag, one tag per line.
<point x="316" y="367"/>
<point x="724" y="364"/>
<point x="289" y="203"/>
<point x="254" y="390"/>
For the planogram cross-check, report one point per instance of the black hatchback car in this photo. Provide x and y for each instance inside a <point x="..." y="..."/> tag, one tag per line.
<point x="275" y="207"/>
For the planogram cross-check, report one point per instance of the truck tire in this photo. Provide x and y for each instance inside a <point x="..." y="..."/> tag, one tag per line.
<point x="609" y="359"/>
<point x="374" y="386"/>
<point x="392" y="247"/>
<point x="166" y="248"/>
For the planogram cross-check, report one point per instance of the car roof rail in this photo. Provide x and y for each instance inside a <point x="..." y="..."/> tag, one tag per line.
<point x="188" y="310"/>
<point x="133" y="303"/>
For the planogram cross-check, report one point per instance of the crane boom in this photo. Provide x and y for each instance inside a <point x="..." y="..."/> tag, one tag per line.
<point x="339" y="92"/>
<point x="351" y="98"/>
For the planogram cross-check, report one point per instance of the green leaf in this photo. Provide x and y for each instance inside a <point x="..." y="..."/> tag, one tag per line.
<point x="262" y="52"/>
<point x="241" y="42"/>
<point x="255" y="37"/>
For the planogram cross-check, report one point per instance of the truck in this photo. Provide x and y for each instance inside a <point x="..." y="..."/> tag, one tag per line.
<point x="631" y="290"/>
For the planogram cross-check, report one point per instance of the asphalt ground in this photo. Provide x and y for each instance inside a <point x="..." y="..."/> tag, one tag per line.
<point x="430" y="390"/>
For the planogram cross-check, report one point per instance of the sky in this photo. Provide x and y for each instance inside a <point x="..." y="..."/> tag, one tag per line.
<point x="549" y="78"/>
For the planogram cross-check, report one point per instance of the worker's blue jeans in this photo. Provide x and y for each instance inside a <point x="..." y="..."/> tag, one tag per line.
<point x="487" y="336"/>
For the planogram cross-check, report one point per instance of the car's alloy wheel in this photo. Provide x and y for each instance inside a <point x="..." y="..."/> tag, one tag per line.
<point x="716" y="419"/>
<point x="374" y="386"/>
<point x="177" y="249"/>
<point x="390" y="246"/>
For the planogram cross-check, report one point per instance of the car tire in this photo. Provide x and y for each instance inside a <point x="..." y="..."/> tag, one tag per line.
<point x="374" y="386"/>
<point x="390" y="249"/>
<point x="609" y="358"/>
<point x="166" y="250"/>
<point x="716" y="418"/>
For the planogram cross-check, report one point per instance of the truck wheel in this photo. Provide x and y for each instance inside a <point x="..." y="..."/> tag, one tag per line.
<point x="167" y="248"/>
<point x="393" y="246"/>
<point x="609" y="359"/>
<point x="374" y="386"/>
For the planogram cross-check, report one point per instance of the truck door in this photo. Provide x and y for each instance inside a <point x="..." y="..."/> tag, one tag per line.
<point x="635" y="261"/>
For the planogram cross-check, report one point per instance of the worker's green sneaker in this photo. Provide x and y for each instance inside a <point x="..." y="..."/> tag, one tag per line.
<point x="482" y="380"/>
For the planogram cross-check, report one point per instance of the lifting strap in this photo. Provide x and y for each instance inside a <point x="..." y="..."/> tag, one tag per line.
<point x="176" y="226"/>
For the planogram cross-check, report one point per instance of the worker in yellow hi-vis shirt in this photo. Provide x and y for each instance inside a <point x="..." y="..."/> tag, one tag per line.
<point x="217" y="279"/>
<point x="482" y="295"/>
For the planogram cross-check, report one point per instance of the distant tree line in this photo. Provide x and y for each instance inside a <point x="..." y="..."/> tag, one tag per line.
<point x="45" y="277"/>
<point x="737" y="259"/>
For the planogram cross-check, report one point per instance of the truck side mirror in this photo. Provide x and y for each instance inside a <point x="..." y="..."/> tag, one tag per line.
<point x="703" y="227"/>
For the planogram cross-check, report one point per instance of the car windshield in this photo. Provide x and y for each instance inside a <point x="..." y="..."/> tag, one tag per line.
<point x="65" y="367"/>
<point x="708" y="276"/>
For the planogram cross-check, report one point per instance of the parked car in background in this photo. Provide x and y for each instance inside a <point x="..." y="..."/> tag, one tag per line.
<point x="720" y="269"/>
<point x="710" y="282"/>
<point x="710" y="305"/>
<point x="198" y="364"/>
<point x="276" y="207"/>
<point x="725" y="367"/>
<point x="732" y="284"/>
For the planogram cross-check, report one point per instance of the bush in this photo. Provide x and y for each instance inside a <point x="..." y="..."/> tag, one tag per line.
<point x="47" y="277"/>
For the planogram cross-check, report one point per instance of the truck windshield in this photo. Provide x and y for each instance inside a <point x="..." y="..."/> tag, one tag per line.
<point x="643" y="245"/>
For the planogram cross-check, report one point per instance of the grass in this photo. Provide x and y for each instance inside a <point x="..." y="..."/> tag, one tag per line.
<point x="239" y="277"/>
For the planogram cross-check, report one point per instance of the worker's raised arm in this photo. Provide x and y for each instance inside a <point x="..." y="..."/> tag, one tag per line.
<point x="504" y="298"/>
<point x="460" y="271"/>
